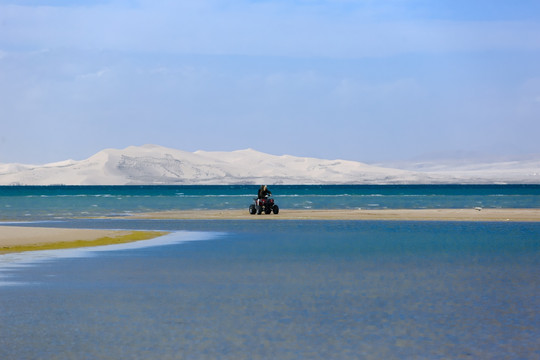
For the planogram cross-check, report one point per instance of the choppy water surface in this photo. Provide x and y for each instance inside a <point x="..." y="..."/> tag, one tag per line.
<point x="57" y="202"/>
<point x="285" y="290"/>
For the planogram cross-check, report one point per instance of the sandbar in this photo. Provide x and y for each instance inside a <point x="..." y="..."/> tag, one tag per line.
<point x="20" y="238"/>
<point x="475" y="214"/>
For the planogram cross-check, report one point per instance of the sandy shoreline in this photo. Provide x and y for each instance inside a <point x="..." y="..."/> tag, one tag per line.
<point x="18" y="238"/>
<point x="353" y="214"/>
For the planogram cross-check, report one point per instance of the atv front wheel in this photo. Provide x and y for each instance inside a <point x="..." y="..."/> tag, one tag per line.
<point x="252" y="209"/>
<point x="276" y="209"/>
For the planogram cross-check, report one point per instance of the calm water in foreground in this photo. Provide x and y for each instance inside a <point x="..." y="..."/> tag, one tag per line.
<point x="274" y="289"/>
<point x="282" y="290"/>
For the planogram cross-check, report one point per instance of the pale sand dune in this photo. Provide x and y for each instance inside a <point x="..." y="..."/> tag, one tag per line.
<point x="151" y="164"/>
<point x="352" y="214"/>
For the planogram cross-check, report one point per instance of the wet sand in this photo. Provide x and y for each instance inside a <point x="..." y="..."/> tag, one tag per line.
<point x="18" y="238"/>
<point x="477" y="214"/>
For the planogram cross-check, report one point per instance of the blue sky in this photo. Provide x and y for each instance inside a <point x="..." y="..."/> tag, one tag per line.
<point x="365" y="80"/>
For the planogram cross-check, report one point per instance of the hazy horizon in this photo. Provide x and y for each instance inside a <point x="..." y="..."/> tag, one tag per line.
<point x="375" y="82"/>
<point x="447" y="157"/>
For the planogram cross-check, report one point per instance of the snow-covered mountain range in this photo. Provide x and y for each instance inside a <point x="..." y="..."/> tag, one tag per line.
<point x="152" y="164"/>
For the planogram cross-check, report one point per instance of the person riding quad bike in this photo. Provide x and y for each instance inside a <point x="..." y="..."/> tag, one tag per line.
<point x="264" y="192"/>
<point x="263" y="203"/>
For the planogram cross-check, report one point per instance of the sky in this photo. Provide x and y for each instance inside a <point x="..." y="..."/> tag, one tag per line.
<point x="367" y="80"/>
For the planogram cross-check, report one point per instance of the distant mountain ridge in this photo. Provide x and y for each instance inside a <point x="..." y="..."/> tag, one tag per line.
<point x="152" y="164"/>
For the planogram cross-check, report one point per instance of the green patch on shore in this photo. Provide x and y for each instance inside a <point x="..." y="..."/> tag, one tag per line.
<point x="120" y="239"/>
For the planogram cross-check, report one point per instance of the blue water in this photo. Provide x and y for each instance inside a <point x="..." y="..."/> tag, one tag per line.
<point x="57" y="202"/>
<point x="285" y="290"/>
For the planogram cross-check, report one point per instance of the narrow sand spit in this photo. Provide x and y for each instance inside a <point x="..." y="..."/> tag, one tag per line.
<point x="19" y="238"/>
<point x="477" y="214"/>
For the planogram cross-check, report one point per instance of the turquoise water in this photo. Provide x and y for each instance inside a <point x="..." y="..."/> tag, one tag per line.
<point x="283" y="290"/>
<point x="57" y="202"/>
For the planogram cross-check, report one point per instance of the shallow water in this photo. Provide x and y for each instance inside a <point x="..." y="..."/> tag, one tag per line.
<point x="285" y="290"/>
<point x="56" y="202"/>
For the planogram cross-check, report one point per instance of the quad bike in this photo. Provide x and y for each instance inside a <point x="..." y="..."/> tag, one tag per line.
<point x="263" y="205"/>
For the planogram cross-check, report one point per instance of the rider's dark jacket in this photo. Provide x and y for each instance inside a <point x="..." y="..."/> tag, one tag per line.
<point x="263" y="193"/>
